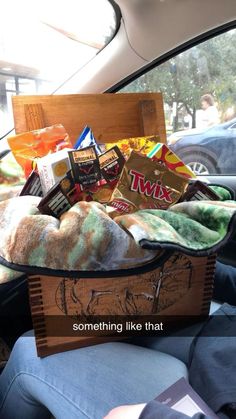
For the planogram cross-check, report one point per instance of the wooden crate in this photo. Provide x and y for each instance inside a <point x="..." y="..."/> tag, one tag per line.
<point x="182" y="286"/>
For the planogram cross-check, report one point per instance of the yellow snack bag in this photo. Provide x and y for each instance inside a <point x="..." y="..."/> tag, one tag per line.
<point x="140" y="144"/>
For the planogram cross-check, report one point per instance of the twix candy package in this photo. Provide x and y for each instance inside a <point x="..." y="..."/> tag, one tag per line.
<point x="146" y="184"/>
<point x="111" y="164"/>
<point x="85" y="166"/>
<point x="162" y="153"/>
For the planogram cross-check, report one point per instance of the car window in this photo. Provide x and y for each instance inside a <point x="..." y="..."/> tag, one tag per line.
<point x="43" y="45"/>
<point x="199" y="92"/>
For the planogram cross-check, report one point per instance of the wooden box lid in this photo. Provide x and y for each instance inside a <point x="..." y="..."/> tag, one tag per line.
<point x="110" y="116"/>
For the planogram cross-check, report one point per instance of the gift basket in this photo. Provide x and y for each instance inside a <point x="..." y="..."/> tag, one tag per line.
<point x="107" y="226"/>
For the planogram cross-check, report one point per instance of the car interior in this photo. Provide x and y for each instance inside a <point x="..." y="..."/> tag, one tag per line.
<point x="182" y="48"/>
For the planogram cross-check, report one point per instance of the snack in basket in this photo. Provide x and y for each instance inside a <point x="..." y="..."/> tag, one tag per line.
<point x="140" y="144"/>
<point x="32" y="185"/>
<point x="61" y="197"/>
<point x="52" y="168"/>
<point x="198" y="191"/>
<point x="162" y="153"/>
<point x="111" y="164"/>
<point x="85" y="166"/>
<point x="146" y="184"/>
<point x="86" y="139"/>
<point x="99" y="192"/>
<point x="31" y="145"/>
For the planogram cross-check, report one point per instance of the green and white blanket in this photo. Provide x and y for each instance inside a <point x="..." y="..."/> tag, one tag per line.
<point x="87" y="239"/>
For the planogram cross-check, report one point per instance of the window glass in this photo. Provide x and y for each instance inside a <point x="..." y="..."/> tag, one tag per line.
<point x="199" y="92"/>
<point x="43" y="44"/>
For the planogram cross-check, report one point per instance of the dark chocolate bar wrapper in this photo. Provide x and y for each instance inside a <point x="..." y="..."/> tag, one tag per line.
<point x="199" y="191"/>
<point x="85" y="166"/>
<point x="61" y="197"/>
<point x="33" y="185"/>
<point x="111" y="164"/>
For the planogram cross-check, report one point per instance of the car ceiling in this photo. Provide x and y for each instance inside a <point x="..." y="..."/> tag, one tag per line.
<point x="148" y="30"/>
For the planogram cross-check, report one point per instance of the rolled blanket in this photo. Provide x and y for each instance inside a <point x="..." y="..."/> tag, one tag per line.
<point x="85" y="238"/>
<point x="197" y="227"/>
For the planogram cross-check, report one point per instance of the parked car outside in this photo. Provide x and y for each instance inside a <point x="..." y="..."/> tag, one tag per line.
<point x="208" y="151"/>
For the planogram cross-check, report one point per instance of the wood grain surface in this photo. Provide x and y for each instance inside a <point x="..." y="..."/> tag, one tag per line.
<point x="181" y="287"/>
<point x="111" y="116"/>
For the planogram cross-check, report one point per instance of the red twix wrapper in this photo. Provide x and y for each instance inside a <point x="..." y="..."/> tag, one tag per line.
<point x="146" y="184"/>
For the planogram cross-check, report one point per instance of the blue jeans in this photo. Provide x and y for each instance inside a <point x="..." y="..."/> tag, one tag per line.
<point x="83" y="383"/>
<point x="88" y="382"/>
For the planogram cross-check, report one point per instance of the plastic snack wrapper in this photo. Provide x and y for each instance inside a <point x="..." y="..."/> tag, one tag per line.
<point x="100" y="192"/>
<point x="162" y="153"/>
<point x="86" y="139"/>
<point x="29" y="146"/>
<point x="146" y="184"/>
<point x="85" y="166"/>
<point x="111" y="164"/>
<point x="140" y="144"/>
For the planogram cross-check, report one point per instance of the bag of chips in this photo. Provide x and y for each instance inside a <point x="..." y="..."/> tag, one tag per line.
<point x="29" y="146"/>
<point x="140" y="144"/>
<point x="86" y="139"/>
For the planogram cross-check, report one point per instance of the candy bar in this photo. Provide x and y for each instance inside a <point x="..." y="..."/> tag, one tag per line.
<point x="61" y="197"/>
<point x="198" y="191"/>
<point x="32" y="185"/>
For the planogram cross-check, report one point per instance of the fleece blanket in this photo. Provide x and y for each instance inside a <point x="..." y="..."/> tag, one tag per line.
<point x="87" y="239"/>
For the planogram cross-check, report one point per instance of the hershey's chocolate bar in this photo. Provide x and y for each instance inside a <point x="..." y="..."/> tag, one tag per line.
<point x="33" y="185"/>
<point x="111" y="164"/>
<point x="198" y="191"/>
<point x="60" y="198"/>
<point x="85" y="166"/>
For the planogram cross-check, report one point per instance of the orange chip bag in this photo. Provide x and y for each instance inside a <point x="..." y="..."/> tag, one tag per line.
<point x="29" y="146"/>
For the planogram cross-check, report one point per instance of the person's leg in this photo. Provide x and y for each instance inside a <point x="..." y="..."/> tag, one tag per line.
<point x="225" y="284"/>
<point x="179" y="343"/>
<point x="84" y="383"/>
